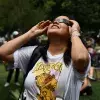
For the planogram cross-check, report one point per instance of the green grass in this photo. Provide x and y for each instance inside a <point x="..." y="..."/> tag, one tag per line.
<point x="95" y="87"/>
<point x="96" y="92"/>
<point x="12" y="92"/>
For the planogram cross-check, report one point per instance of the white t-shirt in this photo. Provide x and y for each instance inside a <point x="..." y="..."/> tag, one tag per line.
<point x="49" y="81"/>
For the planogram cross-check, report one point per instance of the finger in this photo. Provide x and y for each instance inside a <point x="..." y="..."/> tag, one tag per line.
<point x="40" y="22"/>
<point x="46" y="23"/>
<point x="38" y="25"/>
<point x="45" y="29"/>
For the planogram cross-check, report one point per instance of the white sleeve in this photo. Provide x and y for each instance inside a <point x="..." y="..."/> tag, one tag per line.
<point x="22" y="57"/>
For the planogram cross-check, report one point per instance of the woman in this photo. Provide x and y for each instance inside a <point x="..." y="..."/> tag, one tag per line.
<point x="92" y="52"/>
<point x="60" y="77"/>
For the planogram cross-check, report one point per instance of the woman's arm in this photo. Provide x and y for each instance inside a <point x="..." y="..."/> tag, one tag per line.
<point x="79" y="53"/>
<point x="10" y="47"/>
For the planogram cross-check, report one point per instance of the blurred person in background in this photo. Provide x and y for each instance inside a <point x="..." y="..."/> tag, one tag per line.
<point x="10" y="66"/>
<point x="91" y="50"/>
<point x="2" y="40"/>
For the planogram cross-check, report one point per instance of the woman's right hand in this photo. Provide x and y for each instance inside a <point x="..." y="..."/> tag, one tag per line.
<point x="39" y="29"/>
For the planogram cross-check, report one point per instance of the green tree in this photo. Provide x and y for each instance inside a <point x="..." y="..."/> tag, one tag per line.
<point x="26" y="13"/>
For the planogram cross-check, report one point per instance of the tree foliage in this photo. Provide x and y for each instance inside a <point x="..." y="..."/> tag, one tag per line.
<point x="24" y="14"/>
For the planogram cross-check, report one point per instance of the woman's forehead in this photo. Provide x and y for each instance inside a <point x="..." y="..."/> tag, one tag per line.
<point x="62" y="17"/>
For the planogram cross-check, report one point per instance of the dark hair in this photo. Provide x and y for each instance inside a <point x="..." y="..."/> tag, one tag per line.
<point x="67" y="54"/>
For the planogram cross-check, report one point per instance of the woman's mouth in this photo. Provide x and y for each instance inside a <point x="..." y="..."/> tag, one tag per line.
<point x="55" y="26"/>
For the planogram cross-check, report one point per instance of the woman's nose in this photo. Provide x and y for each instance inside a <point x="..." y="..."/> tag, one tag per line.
<point x="55" y="22"/>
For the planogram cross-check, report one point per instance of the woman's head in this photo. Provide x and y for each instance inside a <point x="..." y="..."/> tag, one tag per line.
<point x="59" y="28"/>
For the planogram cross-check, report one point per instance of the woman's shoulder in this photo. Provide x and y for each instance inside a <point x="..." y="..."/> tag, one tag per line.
<point x="25" y="51"/>
<point x="28" y="48"/>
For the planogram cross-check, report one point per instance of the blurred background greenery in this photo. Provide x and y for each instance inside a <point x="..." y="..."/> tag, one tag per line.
<point x="24" y="14"/>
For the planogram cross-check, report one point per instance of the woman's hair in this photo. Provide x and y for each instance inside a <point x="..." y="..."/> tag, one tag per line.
<point x="67" y="54"/>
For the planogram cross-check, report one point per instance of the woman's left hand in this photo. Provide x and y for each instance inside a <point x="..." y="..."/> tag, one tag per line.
<point x="75" y="26"/>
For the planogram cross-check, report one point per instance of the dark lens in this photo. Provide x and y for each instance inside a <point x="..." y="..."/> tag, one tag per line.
<point x="67" y="22"/>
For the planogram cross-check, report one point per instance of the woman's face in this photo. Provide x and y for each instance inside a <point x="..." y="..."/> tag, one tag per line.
<point x="59" y="27"/>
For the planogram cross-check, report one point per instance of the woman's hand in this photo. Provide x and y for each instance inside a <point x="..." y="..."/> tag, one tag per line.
<point x="75" y="27"/>
<point x="79" y="53"/>
<point x="39" y="29"/>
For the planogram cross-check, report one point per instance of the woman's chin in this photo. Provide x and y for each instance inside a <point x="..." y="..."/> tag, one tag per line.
<point x="53" y="32"/>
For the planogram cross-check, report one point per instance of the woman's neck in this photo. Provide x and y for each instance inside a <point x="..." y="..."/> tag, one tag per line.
<point x="57" y="47"/>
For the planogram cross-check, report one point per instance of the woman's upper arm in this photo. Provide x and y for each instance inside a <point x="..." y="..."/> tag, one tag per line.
<point x="82" y="75"/>
<point x="82" y="65"/>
